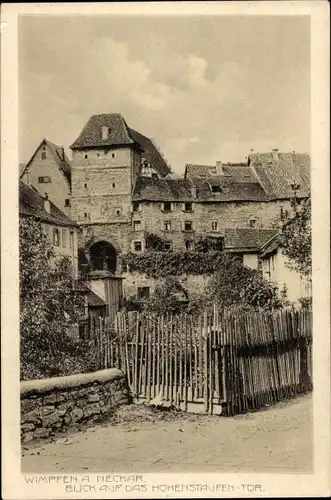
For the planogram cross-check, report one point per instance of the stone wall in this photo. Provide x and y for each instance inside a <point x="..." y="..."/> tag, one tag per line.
<point x="53" y="405"/>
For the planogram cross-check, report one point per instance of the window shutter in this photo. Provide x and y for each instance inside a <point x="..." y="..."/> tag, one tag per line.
<point x="183" y="207"/>
<point x="193" y="225"/>
<point x="162" y="207"/>
<point x="172" y="206"/>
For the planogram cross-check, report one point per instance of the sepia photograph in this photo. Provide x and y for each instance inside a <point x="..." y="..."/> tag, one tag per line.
<point x="165" y="270"/>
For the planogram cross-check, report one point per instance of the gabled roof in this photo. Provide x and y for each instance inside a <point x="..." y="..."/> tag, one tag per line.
<point x="277" y="175"/>
<point x="152" y="189"/>
<point x="151" y="153"/>
<point x="239" y="240"/>
<point x="91" y="135"/>
<point x="31" y="203"/>
<point x="58" y="155"/>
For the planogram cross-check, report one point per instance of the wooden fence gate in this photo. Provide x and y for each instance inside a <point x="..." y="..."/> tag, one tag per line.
<point x="216" y="363"/>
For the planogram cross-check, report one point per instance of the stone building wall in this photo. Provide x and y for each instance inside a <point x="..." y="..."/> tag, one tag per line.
<point x="53" y="405"/>
<point x="225" y="214"/>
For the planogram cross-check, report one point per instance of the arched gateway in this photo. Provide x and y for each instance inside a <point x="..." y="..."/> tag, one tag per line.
<point x="102" y="256"/>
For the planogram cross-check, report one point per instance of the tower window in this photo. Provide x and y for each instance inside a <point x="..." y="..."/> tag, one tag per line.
<point x="113" y="185"/>
<point x="67" y="202"/>
<point x="118" y="211"/>
<point x="113" y="155"/>
<point x="85" y="157"/>
<point x="44" y="180"/>
<point x="85" y="185"/>
<point x="252" y="222"/>
<point x="43" y="155"/>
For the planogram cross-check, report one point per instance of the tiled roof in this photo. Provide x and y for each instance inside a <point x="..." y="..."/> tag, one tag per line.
<point x="240" y="173"/>
<point x="230" y="190"/>
<point x="151" y="153"/>
<point x="247" y="239"/>
<point x="91" y="135"/>
<point x="195" y="171"/>
<point x="270" y="246"/>
<point x="149" y="188"/>
<point x="62" y="161"/>
<point x="276" y="176"/>
<point x="181" y="190"/>
<point x="31" y="203"/>
<point x="58" y="155"/>
<point x="94" y="300"/>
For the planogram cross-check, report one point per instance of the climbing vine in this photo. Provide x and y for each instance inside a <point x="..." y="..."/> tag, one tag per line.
<point x="162" y="264"/>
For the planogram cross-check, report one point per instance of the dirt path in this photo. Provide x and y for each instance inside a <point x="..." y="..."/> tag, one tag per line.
<point x="278" y="439"/>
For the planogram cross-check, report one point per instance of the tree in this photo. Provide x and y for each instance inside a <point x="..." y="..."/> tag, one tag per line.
<point x="295" y="237"/>
<point x="48" y="306"/>
<point x="235" y="285"/>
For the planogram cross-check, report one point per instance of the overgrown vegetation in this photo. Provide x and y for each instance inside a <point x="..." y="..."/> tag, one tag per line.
<point x="295" y="237"/>
<point x="49" y="306"/>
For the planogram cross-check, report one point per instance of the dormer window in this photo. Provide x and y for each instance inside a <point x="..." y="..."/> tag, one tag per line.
<point x="216" y="188"/>
<point x="105" y="132"/>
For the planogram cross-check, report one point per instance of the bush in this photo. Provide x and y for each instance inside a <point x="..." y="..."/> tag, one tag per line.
<point x="49" y="305"/>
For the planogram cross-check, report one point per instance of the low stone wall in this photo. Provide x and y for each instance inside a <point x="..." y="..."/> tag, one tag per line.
<point x="56" y="404"/>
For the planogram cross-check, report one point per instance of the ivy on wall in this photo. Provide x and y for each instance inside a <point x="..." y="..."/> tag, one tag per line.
<point x="162" y="264"/>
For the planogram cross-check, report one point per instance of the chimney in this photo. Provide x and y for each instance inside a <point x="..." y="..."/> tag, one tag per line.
<point x="47" y="204"/>
<point x="104" y="132"/>
<point x="193" y="191"/>
<point x="61" y="153"/>
<point x="219" y="168"/>
<point x="275" y="155"/>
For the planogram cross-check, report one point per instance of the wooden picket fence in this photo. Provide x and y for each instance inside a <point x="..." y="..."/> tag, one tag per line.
<point x="227" y="363"/>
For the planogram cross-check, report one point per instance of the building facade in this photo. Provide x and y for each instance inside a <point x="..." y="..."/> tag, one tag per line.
<point x="49" y="172"/>
<point x="61" y="232"/>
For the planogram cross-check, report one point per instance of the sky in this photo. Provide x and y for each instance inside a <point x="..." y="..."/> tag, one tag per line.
<point x="205" y="88"/>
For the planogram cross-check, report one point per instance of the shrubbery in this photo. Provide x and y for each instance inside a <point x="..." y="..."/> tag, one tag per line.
<point x="49" y="306"/>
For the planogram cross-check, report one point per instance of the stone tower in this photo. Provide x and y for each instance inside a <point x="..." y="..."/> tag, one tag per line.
<point x="106" y="161"/>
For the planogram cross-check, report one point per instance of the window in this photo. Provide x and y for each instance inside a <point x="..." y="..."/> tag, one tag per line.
<point x="189" y="245"/>
<point x="167" y="246"/>
<point x="216" y="189"/>
<point x="118" y="211"/>
<point x="137" y="246"/>
<point x="135" y="207"/>
<point x="44" y="180"/>
<point x="167" y="206"/>
<point x="85" y="215"/>
<point x="113" y="185"/>
<point x="214" y="226"/>
<point x="85" y="185"/>
<point x="56" y="237"/>
<point x="188" y="207"/>
<point x="43" y="155"/>
<point x="252" y="222"/>
<point x="282" y="213"/>
<point x="188" y="225"/>
<point x="167" y="225"/>
<point x="113" y="155"/>
<point x="143" y="292"/>
<point x="136" y="225"/>
<point x="67" y="202"/>
<point x="85" y="157"/>
<point x="64" y="237"/>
